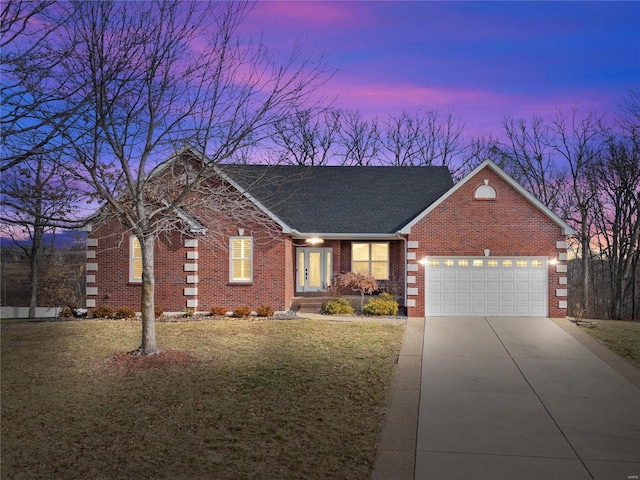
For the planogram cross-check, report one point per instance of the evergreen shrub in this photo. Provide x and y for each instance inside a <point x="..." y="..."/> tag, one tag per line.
<point x="385" y="304"/>
<point x="337" y="306"/>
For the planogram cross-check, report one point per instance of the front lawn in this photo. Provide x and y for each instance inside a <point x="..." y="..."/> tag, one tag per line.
<point x="621" y="337"/>
<point x="265" y="399"/>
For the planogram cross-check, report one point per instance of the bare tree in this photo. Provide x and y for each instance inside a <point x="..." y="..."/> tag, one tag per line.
<point x="617" y="219"/>
<point x="29" y="95"/>
<point x="151" y="77"/>
<point x="402" y="140"/>
<point x="528" y="155"/>
<point x="307" y="138"/>
<point x="578" y="141"/>
<point x="36" y="200"/>
<point x="360" y="139"/>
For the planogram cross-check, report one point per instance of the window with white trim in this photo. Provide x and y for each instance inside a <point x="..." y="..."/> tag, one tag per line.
<point x="135" y="259"/>
<point x="241" y="259"/>
<point x="371" y="258"/>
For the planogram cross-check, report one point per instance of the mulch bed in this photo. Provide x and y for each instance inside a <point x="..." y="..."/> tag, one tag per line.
<point x="127" y="363"/>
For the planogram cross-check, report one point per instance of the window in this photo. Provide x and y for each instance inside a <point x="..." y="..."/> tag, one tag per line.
<point x="434" y="262"/>
<point x="448" y="262"/>
<point x="536" y="263"/>
<point x="492" y="263"/>
<point x="478" y="262"/>
<point x="463" y="262"/>
<point x="522" y="263"/>
<point x="241" y="259"/>
<point x="135" y="259"/>
<point x="371" y="258"/>
<point x="507" y="263"/>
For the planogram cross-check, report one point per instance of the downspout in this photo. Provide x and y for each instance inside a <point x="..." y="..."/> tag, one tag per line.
<point x="406" y="254"/>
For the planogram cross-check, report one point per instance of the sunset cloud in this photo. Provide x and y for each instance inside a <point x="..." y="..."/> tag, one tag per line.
<point x="485" y="60"/>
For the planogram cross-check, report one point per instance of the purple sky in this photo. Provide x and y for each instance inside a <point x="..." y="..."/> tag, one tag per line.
<point x="479" y="60"/>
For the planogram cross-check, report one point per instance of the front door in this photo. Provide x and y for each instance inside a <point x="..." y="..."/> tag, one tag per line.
<point x="313" y="269"/>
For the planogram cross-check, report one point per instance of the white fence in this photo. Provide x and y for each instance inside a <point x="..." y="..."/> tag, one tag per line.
<point x="23" y="312"/>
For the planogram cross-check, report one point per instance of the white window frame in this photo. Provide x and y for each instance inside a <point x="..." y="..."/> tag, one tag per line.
<point x="370" y="245"/>
<point x="133" y="242"/>
<point x="232" y="277"/>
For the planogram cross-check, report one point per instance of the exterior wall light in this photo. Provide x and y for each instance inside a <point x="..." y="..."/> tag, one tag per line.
<point x="553" y="261"/>
<point x="423" y="261"/>
<point x="315" y="241"/>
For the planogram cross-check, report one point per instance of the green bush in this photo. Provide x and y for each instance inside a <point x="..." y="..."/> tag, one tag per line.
<point x="124" y="312"/>
<point x="242" y="312"/>
<point x="337" y="306"/>
<point x="265" y="311"/>
<point x="188" y="313"/>
<point x="103" y="311"/>
<point x="385" y="304"/>
<point x="218" y="311"/>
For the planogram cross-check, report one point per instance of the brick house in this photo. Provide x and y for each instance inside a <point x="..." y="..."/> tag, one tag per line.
<point x="483" y="246"/>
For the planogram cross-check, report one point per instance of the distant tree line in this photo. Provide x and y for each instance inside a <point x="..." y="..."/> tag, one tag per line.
<point x="88" y="113"/>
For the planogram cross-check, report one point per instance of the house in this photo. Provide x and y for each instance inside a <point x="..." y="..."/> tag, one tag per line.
<point x="481" y="247"/>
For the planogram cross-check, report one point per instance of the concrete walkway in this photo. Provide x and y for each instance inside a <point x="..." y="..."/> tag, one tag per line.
<point x="504" y="398"/>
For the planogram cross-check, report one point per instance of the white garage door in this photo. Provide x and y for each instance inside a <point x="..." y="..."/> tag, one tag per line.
<point x="491" y="286"/>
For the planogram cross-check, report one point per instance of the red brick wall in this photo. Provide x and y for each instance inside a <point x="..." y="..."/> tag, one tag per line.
<point x="508" y="226"/>
<point x="271" y="285"/>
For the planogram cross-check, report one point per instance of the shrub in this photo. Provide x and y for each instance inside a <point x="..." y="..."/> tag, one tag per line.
<point x="218" y="311"/>
<point x="157" y="311"/>
<point x="242" y="312"/>
<point x="383" y="305"/>
<point x="66" y="312"/>
<point x="265" y="311"/>
<point x="337" y="306"/>
<point x="358" y="282"/>
<point x="188" y="313"/>
<point x="124" y="312"/>
<point x="103" y="311"/>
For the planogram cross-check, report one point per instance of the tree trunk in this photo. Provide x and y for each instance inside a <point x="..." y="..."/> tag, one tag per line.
<point x="586" y="251"/>
<point x="148" y="346"/>
<point x="34" y="260"/>
<point x="33" y="288"/>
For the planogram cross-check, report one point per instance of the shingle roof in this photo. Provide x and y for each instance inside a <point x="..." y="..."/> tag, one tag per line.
<point x="342" y="200"/>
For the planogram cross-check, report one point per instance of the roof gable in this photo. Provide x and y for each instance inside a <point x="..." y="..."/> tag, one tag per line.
<point x="341" y="200"/>
<point x="566" y="229"/>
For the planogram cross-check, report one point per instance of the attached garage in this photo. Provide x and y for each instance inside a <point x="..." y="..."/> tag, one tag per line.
<point x="486" y="286"/>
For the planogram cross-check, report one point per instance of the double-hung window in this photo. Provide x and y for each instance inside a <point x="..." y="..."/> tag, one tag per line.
<point x="371" y="258"/>
<point x="135" y="259"/>
<point x="241" y="259"/>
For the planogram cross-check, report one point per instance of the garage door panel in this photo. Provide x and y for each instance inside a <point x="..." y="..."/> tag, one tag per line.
<point x="492" y="287"/>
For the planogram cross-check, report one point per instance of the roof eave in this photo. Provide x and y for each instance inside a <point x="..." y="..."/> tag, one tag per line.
<point x="296" y="235"/>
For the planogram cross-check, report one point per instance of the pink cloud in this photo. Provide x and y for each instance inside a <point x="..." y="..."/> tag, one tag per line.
<point x="308" y="14"/>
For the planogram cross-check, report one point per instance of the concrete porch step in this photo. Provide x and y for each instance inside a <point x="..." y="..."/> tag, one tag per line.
<point x="309" y="304"/>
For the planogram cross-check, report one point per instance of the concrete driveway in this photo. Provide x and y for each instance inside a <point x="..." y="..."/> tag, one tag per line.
<point x="505" y="398"/>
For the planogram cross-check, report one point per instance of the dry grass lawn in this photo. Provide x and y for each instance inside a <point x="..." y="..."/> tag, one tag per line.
<point x="266" y="399"/>
<point x="621" y="337"/>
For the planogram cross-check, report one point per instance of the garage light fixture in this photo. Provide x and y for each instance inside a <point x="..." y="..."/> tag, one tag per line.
<point x="423" y="261"/>
<point x="553" y="261"/>
<point x="315" y="241"/>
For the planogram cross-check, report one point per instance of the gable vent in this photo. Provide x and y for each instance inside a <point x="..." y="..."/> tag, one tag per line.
<point x="485" y="192"/>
